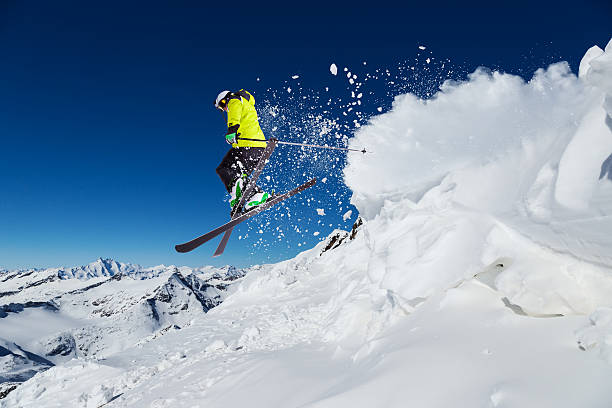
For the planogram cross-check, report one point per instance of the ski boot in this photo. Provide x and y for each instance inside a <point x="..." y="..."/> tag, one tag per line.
<point x="236" y="189"/>
<point x="258" y="198"/>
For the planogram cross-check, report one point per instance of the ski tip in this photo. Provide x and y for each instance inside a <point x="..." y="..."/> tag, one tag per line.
<point x="309" y="183"/>
<point x="181" y="248"/>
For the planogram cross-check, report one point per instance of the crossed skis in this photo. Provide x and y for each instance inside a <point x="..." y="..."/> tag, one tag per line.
<point x="237" y="217"/>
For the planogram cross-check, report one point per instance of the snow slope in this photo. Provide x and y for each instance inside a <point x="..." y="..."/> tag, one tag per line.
<point x="480" y="277"/>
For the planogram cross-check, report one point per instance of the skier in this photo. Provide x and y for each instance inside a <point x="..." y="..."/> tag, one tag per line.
<point x="243" y="156"/>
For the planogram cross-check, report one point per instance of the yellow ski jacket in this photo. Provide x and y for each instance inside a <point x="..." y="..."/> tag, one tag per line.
<point x="241" y="111"/>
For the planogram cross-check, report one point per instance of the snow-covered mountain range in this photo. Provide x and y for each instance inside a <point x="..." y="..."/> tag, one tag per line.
<point x="479" y="275"/>
<point x="49" y="316"/>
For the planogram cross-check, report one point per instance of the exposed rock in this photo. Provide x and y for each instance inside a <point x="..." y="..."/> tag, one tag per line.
<point x="6" y="388"/>
<point x="339" y="236"/>
<point x="18" y="365"/>
<point x="62" y="345"/>
<point x="19" y="307"/>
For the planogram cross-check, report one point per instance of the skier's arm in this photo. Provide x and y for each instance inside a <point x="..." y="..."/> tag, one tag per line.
<point x="234" y="114"/>
<point x="232" y="134"/>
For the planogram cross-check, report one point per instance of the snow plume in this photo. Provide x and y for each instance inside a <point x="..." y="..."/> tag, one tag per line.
<point x="326" y="114"/>
<point x="482" y="134"/>
<point x="525" y="156"/>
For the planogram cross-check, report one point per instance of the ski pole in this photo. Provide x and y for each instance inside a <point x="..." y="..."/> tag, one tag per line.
<point x="309" y="145"/>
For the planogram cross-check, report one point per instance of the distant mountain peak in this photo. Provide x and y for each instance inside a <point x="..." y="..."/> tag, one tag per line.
<point x="99" y="268"/>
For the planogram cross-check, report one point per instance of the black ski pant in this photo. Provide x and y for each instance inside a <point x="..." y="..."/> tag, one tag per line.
<point x="238" y="161"/>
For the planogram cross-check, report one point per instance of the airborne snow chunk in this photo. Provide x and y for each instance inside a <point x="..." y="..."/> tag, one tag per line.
<point x="333" y="69"/>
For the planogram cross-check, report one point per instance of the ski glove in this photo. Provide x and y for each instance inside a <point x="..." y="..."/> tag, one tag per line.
<point x="232" y="134"/>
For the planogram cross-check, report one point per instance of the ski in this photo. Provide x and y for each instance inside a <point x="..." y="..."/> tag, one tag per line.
<point x="250" y="185"/>
<point x="194" y="243"/>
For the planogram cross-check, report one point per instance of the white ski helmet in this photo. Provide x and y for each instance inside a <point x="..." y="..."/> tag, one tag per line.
<point x="218" y="102"/>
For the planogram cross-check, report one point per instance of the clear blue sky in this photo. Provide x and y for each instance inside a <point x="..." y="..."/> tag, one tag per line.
<point x="109" y="141"/>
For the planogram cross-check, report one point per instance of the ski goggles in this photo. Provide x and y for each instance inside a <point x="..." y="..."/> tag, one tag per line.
<point x="221" y="105"/>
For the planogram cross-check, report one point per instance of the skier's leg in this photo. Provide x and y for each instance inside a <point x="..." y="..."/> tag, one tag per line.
<point x="251" y="156"/>
<point x="230" y="168"/>
<point x="233" y="171"/>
